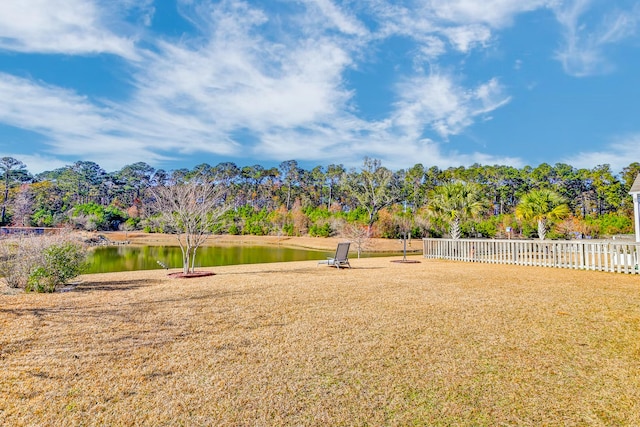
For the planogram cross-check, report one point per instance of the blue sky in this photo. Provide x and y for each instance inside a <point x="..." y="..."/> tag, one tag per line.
<point x="176" y="83"/>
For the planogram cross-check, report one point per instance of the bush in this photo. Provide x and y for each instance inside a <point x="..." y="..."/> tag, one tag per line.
<point x="316" y="214"/>
<point x="40" y="263"/>
<point x="61" y="263"/>
<point x="610" y="224"/>
<point x="288" y="230"/>
<point x="18" y="257"/>
<point x="43" y="218"/>
<point x="93" y="216"/>
<point x="320" y="230"/>
<point x="248" y="220"/>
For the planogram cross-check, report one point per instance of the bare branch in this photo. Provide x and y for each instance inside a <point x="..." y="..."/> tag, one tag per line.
<point x="189" y="210"/>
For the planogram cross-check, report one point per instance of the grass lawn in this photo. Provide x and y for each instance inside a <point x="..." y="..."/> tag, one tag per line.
<point x="384" y="344"/>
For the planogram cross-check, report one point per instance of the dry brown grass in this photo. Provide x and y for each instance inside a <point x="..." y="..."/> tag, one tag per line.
<point x="382" y="344"/>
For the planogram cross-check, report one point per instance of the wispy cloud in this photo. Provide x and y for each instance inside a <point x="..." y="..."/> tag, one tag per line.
<point x="245" y="85"/>
<point x="237" y="80"/>
<point x="466" y="24"/>
<point x="38" y="162"/>
<point x="73" y="126"/>
<point x="250" y="83"/>
<point x="494" y="13"/>
<point x="438" y="102"/>
<point x="337" y="17"/>
<point x="464" y="38"/>
<point x="45" y="108"/>
<point x="619" y="153"/>
<point x="585" y="37"/>
<point x="70" y="27"/>
<point x="292" y="98"/>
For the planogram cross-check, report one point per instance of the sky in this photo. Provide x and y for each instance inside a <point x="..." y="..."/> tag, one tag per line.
<point x="177" y="83"/>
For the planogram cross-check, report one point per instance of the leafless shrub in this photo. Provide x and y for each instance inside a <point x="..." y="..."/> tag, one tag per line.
<point x="22" y="254"/>
<point x="358" y="235"/>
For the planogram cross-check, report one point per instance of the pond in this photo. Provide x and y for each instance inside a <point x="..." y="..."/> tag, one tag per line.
<point x="107" y="259"/>
<point x="128" y="258"/>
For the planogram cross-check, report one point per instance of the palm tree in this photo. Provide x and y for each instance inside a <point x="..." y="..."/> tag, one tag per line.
<point x="542" y="206"/>
<point x="455" y="202"/>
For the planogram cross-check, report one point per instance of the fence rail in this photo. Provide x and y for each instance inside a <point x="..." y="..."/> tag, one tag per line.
<point x="600" y="256"/>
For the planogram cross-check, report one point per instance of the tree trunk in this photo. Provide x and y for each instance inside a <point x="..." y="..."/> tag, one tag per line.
<point x="455" y="229"/>
<point x="186" y="255"/>
<point x="4" y="202"/>
<point x="542" y="229"/>
<point x="193" y="260"/>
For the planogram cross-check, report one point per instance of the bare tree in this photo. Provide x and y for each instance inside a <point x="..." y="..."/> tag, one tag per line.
<point x="9" y="166"/>
<point x="190" y="210"/>
<point x="23" y="207"/>
<point x="373" y="188"/>
<point x="358" y="235"/>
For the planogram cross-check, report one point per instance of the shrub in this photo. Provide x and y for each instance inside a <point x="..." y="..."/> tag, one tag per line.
<point x="358" y="214"/>
<point x="43" y="218"/>
<point x="323" y="230"/>
<point x="610" y="224"/>
<point x="93" y="216"/>
<point x="248" y="220"/>
<point x="61" y="263"/>
<point x="40" y="263"/>
<point x="316" y="214"/>
<point x="18" y="257"/>
<point x="288" y="229"/>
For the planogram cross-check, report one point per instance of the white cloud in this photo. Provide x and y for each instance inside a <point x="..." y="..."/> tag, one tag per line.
<point x="73" y="126"/>
<point x="466" y="37"/>
<point x="432" y="47"/>
<point x="44" y="108"/>
<point x="37" y="162"/>
<point x="286" y="94"/>
<point x="248" y="74"/>
<point x="348" y="143"/>
<point x="495" y="13"/>
<point x="619" y="153"/>
<point x="466" y="23"/>
<point x="338" y="18"/>
<point x="583" y="50"/>
<point x="240" y="81"/>
<point x="60" y="26"/>
<point x="57" y="26"/>
<point x="195" y="96"/>
<point x="437" y="102"/>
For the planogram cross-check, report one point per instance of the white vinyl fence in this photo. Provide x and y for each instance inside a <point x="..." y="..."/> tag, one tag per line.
<point x="586" y="255"/>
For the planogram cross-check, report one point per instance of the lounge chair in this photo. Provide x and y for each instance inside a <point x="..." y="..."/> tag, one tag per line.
<point x="341" y="258"/>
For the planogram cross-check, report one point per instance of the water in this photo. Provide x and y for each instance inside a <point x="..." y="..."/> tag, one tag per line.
<point x="129" y="258"/>
<point x="107" y="259"/>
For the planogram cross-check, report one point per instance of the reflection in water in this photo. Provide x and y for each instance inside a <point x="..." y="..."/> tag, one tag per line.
<point x="128" y="258"/>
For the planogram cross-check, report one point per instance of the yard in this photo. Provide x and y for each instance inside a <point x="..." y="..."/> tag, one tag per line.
<point x="383" y="344"/>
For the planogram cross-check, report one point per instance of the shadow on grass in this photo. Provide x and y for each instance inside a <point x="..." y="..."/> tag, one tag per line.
<point x="116" y="285"/>
<point x="318" y="269"/>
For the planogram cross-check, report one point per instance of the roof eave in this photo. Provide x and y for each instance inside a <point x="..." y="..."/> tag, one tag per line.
<point x="635" y="188"/>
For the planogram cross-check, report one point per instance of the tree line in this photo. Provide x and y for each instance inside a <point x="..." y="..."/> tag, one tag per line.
<point x="473" y="201"/>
